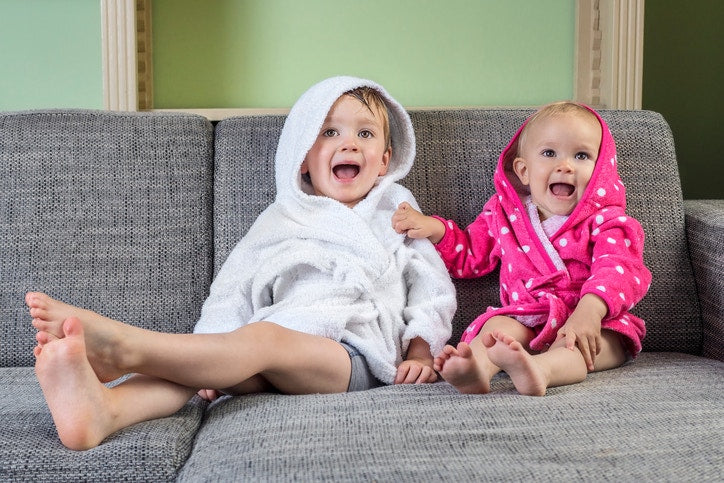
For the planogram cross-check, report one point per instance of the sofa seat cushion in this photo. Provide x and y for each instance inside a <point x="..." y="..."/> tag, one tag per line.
<point x="659" y="418"/>
<point x="31" y="451"/>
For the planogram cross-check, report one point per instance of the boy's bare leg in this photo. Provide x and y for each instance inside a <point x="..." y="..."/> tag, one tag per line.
<point x="467" y="366"/>
<point x="532" y="375"/>
<point x="85" y="411"/>
<point x="291" y="361"/>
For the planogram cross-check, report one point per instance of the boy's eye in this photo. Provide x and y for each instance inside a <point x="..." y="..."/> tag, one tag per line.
<point x="365" y="134"/>
<point x="329" y="132"/>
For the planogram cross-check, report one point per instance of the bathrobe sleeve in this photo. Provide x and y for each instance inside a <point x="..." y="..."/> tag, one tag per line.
<point x="431" y="301"/>
<point x="475" y="251"/>
<point x="618" y="274"/>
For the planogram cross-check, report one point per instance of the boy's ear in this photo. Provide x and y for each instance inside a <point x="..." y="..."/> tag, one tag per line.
<point x="385" y="161"/>
<point x="304" y="168"/>
<point x="521" y="170"/>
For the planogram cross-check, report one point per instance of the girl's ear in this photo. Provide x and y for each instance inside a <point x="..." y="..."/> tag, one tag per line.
<point x="521" y="170"/>
<point x="385" y="161"/>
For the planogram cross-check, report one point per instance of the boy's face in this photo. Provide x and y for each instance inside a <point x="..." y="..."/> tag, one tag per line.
<point x="349" y="153"/>
<point x="557" y="158"/>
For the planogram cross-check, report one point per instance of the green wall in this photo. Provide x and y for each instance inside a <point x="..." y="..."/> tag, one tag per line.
<point x="50" y="53"/>
<point x="265" y="53"/>
<point x="683" y="80"/>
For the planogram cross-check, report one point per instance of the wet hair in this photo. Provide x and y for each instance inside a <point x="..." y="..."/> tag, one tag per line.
<point x="372" y="98"/>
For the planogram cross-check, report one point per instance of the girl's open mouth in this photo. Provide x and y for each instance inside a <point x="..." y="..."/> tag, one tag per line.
<point x="562" y="189"/>
<point x="346" y="171"/>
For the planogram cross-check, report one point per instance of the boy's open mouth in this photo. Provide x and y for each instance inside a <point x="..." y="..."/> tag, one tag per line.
<point x="562" y="189"/>
<point x="346" y="171"/>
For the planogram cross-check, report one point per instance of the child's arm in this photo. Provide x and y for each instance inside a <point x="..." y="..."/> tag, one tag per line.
<point x="417" y="367"/>
<point x="583" y="328"/>
<point x="414" y="224"/>
<point x="468" y="253"/>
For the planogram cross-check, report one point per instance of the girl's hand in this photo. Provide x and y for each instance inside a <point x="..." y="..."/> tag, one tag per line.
<point x="583" y="328"/>
<point x="414" y="224"/>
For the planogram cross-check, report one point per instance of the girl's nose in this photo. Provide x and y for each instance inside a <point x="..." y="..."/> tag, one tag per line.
<point x="565" y="165"/>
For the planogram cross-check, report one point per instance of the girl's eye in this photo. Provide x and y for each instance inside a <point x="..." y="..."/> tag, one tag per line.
<point x="582" y="156"/>
<point x="329" y="132"/>
<point x="365" y="134"/>
<point x="548" y="153"/>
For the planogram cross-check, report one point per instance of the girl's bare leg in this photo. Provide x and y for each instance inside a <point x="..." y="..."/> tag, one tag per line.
<point x="532" y="375"/>
<point x="467" y="366"/>
<point x="291" y="361"/>
<point x="85" y="411"/>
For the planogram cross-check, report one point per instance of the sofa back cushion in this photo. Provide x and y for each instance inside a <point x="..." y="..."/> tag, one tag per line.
<point x="108" y="211"/>
<point x="457" y="151"/>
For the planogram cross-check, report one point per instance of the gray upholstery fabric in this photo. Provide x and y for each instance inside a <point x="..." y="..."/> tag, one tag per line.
<point x="705" y="228"/>
<point x="653" y="420"/>
<point x="112" y="212"/>
<point x="107" y="211"/>
<point x="31" y="451"/>
<point x="658" y="418"/>
<point x="243" y="177"/>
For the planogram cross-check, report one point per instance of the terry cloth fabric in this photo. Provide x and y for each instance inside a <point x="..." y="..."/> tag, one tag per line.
<point x="310" y="263"/>
<point x="601" y="248"/>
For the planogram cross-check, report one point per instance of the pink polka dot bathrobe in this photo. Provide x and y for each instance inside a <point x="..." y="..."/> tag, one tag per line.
<point x="597" y="249"/>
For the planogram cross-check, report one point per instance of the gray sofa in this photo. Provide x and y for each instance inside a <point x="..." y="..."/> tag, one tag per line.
<point x="131" y="215"/>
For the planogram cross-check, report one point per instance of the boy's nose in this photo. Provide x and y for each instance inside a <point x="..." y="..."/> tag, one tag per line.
<point x="349" y="143"/>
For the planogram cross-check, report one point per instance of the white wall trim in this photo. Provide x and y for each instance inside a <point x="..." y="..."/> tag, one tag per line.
<point x="608" y="66"/>
<point x="121" y="41"/>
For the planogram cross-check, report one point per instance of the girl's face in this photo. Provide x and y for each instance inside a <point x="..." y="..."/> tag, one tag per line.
<point x="349" y="153"/>
<point x="557" y="158"/>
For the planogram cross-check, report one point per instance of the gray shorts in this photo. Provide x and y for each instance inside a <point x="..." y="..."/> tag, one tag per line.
<point x="360" y="378"/>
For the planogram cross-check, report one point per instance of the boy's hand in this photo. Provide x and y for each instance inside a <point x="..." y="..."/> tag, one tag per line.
<point x="417" y="368"/>
<point x="415" y="372"/>
<point x="414" y="224"/>
<point x="583" y="328"/>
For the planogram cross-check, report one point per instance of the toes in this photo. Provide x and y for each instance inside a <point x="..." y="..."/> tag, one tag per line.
<point x="38" y="313"/>
<point x="44" y="337"/>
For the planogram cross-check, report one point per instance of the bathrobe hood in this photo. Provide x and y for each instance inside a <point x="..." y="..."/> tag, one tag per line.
<point x="605" y="188"/>
<point x="312" y="264"/>
<point x="301" y="130"/>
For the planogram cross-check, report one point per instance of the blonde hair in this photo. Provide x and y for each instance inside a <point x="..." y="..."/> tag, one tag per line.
<point x="372" y="98"/>
<point x="548" y="111"/>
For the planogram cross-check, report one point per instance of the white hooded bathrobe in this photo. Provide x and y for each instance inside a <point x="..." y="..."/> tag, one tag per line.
<point x="311" y="264"/>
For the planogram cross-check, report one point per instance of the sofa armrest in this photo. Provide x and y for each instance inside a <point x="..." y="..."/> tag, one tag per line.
<point x="705" y="232"/>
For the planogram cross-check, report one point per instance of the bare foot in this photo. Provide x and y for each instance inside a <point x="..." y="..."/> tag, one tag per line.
<point x="459" y="366"/>
<point x="49" y="314"/>
<point x="103" y="336"/>
<point x="510" y="355"/>
<point x="79" y="403"/>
